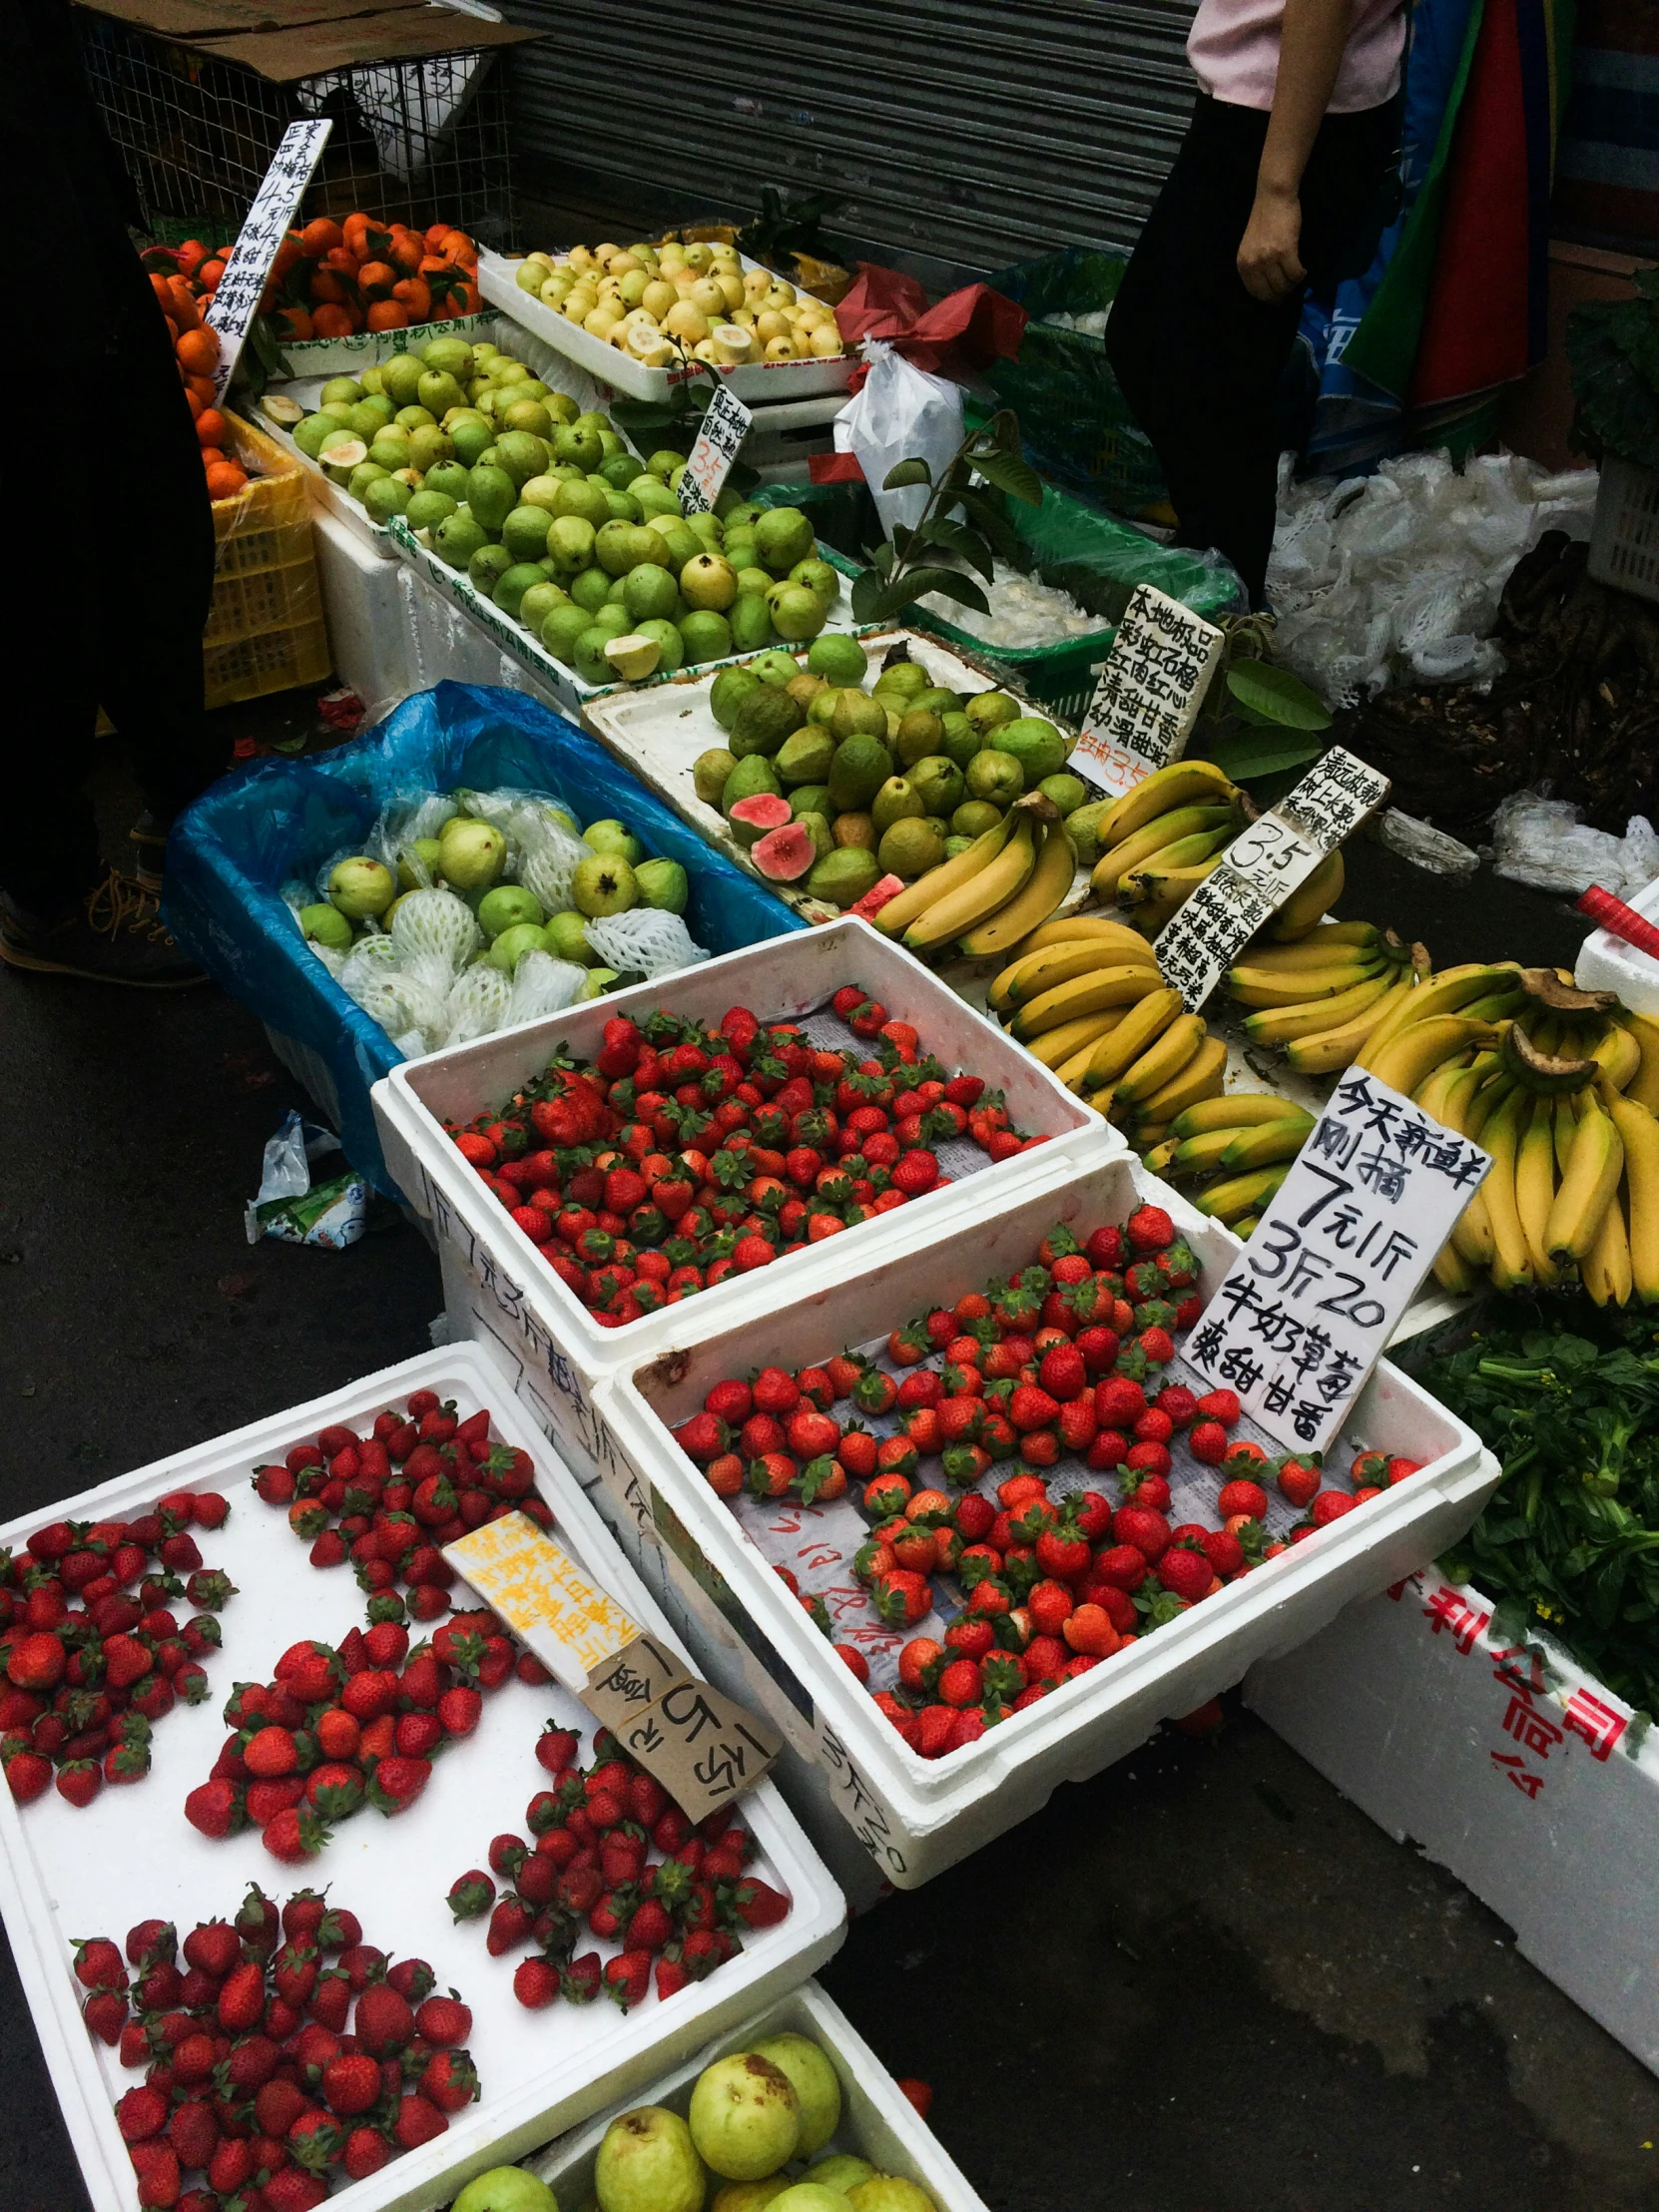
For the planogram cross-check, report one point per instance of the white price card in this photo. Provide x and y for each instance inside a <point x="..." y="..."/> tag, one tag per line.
<point x="724" y="427"/>
<point x="1310" y="1304"/>
<point x="240" y="289"/>
<point x="1260" y="869"/>
<point x="1150" y="690"/>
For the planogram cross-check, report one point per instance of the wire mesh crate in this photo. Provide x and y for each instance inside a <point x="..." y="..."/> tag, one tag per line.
<point x="414" y="138"/>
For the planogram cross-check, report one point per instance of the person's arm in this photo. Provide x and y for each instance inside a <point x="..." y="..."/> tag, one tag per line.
<point x="1311" y="43"/>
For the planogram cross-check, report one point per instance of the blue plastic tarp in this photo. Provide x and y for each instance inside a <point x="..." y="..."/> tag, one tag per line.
<point x="265" y="825"/>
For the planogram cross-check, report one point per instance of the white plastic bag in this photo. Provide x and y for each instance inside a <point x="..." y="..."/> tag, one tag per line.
<point x="901" y="414"/>
<point x="1540" y="840"/>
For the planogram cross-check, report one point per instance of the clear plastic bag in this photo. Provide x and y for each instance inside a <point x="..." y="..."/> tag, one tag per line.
<point x="1540" y="840"/>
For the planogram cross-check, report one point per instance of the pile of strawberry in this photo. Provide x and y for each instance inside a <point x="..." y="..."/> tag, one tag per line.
<point x="92" y="1649"/>
<point x="284" y="2048"/>
<point x="588" y="1867"/>
<point x="338" y="1730"/>
<point x="681" y="1156"/>
<point x="389" y="1500"/>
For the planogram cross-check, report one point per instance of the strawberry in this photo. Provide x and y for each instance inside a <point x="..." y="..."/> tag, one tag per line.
<point x="241" y="2001"/>
<point x="1297" y="1481"/>
<point x="157" y="2167"/>
<point x="471" y="1894"/>
<point x="1186" y="1574"/>
<point x="444" y="2021"/>
<point x="411" y="1980"/>
<point x="627" y="1978"/>
<point x="294" y="1836"/>
<point x="1243" y="1498"/>
<point x="292" y="2189"/>
<point x="80" y="1780"/>
<point x="36" y="1662"/>
<point x="366" y="2151"/>
<point x="1031" y="1407"/>
<point x="1139" y="1526"/>
<point x="398" y="1781"/>
<point x="1222" y="1406"/>
<point x="351" y="2083"/>
<point x="1064" y="1373"/>
<point x="1329" y="1505"/>
<point x="536" y="1984"/>
<point x="141" y="2114"/>
<point x="384" y="2022"/>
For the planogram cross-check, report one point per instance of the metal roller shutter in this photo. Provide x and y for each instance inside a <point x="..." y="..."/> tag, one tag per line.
<point x="966" y="132"/>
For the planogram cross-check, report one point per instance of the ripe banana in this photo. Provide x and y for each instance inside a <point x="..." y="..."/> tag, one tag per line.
<point x="1072" y="1070"/>
<point x="1643" y="1087"/>
<point x="1619" y="1057"/>
<point x="1406" y="1059"/>
<point x="1275" y="987"/>
<point x="1240" y="1194"/>
<point x="1055" y="1046"/>
<point x="989" y="887"/>
<point x="1036" y="973"/>
<point x="900" y="912"/>
<point x="1153" y="1132"/>
<point x="1069" y="928"/>
<point x="1563" y="1129"/>
<point x="1157" y="835"/>
<point x="1589" y="1182"/>
<point x="1202" y="1078"/>
<point x="1266" y="1144"/>
<point x="1326" y="941"/>
<point x="1640" y="1134"/>
<point x="1329" y="1049"/>
<point x="1446" y="994"/>
<point x="1495" y="1006"/>
<point x="1119" y="985"/>
<point x="1453" y="1273"/>
<point x="1469" y="1107"/>
<point x="1283" y="1024"/>
<point x="1301" y="912"/>
<point x="1239" y="1110"/>
<point x="1511" y="1265"/>
<point x="1162" y="1061"/>
<point x="1245" y="1227"/>
<point x="1535" y="1189"/>
<point x="1130" y="1038"/>
<point x="1204" y="1153"/>
<point x="1179" y="784"/>
<point x="1158" y="1160"/>
<point x="1155" y="899"/>
<point x="1048" y="883"/>
<point x="1605" y="1268"/>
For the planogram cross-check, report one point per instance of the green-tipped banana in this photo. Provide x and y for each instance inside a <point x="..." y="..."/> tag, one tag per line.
<point x="1589" y="1184"/>
<point x="1240" y="1194"/>
<point x="1280" y="1025"/>
<point x="1237" y="1110"/>
<point x="1264" y="1147"/>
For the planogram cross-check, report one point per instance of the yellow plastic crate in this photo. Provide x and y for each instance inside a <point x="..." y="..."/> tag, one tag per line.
<point x="265" y="630"/>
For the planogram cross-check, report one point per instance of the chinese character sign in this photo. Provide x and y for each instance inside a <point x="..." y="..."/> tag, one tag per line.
<point x="1313" y="1299"/>
<point x="236" y="297"/>
<point x="1150" y="690"/>
<point x="724" y="427"/>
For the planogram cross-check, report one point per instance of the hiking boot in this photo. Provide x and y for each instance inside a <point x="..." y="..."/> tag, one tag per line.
<point x="115" y="935"/>
<point x="148" y="840"/>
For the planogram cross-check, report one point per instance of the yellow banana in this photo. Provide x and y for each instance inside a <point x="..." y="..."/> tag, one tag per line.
<point x="1283" y="1024"/>
<point x="1453" y="1273"/>
<point x="1245" y="1227"/>
<point x="1640" y="1133"/>
<point x="1048" y="883"/>
<point x="1201" y="1154"/>
<point x="1272" y="987"/>
<point x="1058" y="964"/>
<point x="1436" y="1089"/>
<point x="1619" y="1057"/>
<point x="1162" y="1060"/>
<point x="1240" y="1194"/>
<point x="1154" y="897"/>
<point x="1265" y="1146"/>
<point x="1179" y="784"/>
<point x="1495" y="1006"/>
<point x="1544" y="1034"/>
<point x="1301" y="910"/>
<point x="1535" y="1189"/>
<point x="1562" y="1128"/>
<point x="1237" y="1110"/>
<point x="1202" y="1078"/>
<point x="1446" y="994"/>
<point x="900" y="912"/>
<point x="1119" y="985"/>
<point x="1068" y="928"/>
<point x="1329" y="1049"/>
<point x="1467" y="1110"/>
<point x="1589" y="1182"/>
<point x="1605" y="1268"/>
<point x="1075" y="1067"/>
<point x="1406" y="1059"/>
<point x="1327" y="942"/>
<point x="1133" y="1034"/>
<point x="1643" y="1087"/>
<point x="1511" y="1267"/>
<point x="1158" y="1159"/>
<point x="1152" y="1133"/>
<point x="988" y="889"/>
<point x="1154" y="836"/>
<point x="1055" y="1046"/>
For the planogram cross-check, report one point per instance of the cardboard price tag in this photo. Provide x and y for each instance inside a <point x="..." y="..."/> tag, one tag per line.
<point x="700" y="1744"/>
<point x="724" y="427"/>
<point x="1150" y="690"/>
<point x="1311" y="1302"/>
<point x="1261" y="869"/>
<point x="236" y="297"/>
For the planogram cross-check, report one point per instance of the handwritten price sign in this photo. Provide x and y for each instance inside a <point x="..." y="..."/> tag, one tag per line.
<point x="724" y="427"/>
<point x="240" y="289"/>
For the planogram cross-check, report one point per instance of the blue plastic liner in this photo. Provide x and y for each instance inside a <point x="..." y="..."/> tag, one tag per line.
<point x="228" y="857"/>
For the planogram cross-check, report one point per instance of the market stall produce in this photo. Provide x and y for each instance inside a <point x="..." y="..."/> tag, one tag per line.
<point x="663" y="304"/>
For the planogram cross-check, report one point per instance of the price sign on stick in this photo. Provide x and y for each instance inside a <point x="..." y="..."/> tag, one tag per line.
<point x="1311" y="1302"/>
<point x="240" y="289"/>
<point x="1150" y="690"/>
<point x="724" y="427"/>
<point x="1260" y="869"/>
<point x="702" y="1747"/>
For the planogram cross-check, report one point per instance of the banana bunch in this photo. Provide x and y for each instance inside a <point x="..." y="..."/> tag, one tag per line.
<point x="986" y="899"/>
<point x="1561" y="1088"/>
<point x="1085" y="998"/>
<point x="1320" y="999"/>
<point x="1237" y="1150"/>
<point x="1159" y="841"/>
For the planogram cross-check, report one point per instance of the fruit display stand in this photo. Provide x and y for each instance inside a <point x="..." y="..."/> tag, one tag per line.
<point x="915" y="1816"/>
<point x="1491" y="1751"/>
<point x="264" y="630"/>
<point x="877" y="2120"/>
<point x="260" y="827"/>
<point x="755" y="383"/>
<point x="790" y="978"/>
<point x="70" y="1874"/>
<point x="660" y="729"/>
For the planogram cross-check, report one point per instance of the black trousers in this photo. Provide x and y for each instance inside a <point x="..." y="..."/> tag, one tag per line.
<point x="1197" y="359"/>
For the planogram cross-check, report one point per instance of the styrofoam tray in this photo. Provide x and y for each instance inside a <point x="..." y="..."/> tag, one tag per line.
<point x="68" y="1873"/>
<point x="878" y="2122"/>
<point x="660" y="729"/>
<point x="782" y="979"/>
<point x="917" y="1817"/>
<point x="755" y="382"/>
<point x="348" y="356"/>
<point x="1607" y="964"/>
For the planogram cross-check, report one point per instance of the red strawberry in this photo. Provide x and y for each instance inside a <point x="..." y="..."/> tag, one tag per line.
<point x="1297" y="1481"/>
<point x="292" y="2189"/>
<point x="444" y="2021"/>
<point x="536" y="1984"/>
<point x="449" y="2080"/>
<point x="471" y="1894"/>
<point x="1187" y="1574"/>
<point x="398" y="1781"/>
<point x="194" y="2133"/>
<point x="628" y="1978"/>
<point x="1243" y="1498"/>
<point x="366" y="2151"/>
<point x="351" y="2083"/>
<point x="1147" y="1530"/>
<point x="80" y="1780"/>
<point x="157" y="2167"/>
<point x="240" y="2001"/>
<point x="1222" y="1406"/>
<point x="294" y="1836"/>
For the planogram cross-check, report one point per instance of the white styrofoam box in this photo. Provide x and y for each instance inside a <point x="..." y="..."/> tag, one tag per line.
<point x="370" y="607"/>
<point x="1510" y="1766"/>
<point x="1607" y="964"/>
<point x="755" y="383"/>
<point x="449" y="644"/>
<point x="781" y="979"/>
<point x="360" y="349"/>
<point x="915" y="1816"/>
<point x="69" y="1874"/>
<point x="877" y="2121"/>
<point x="659" y="730"/>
